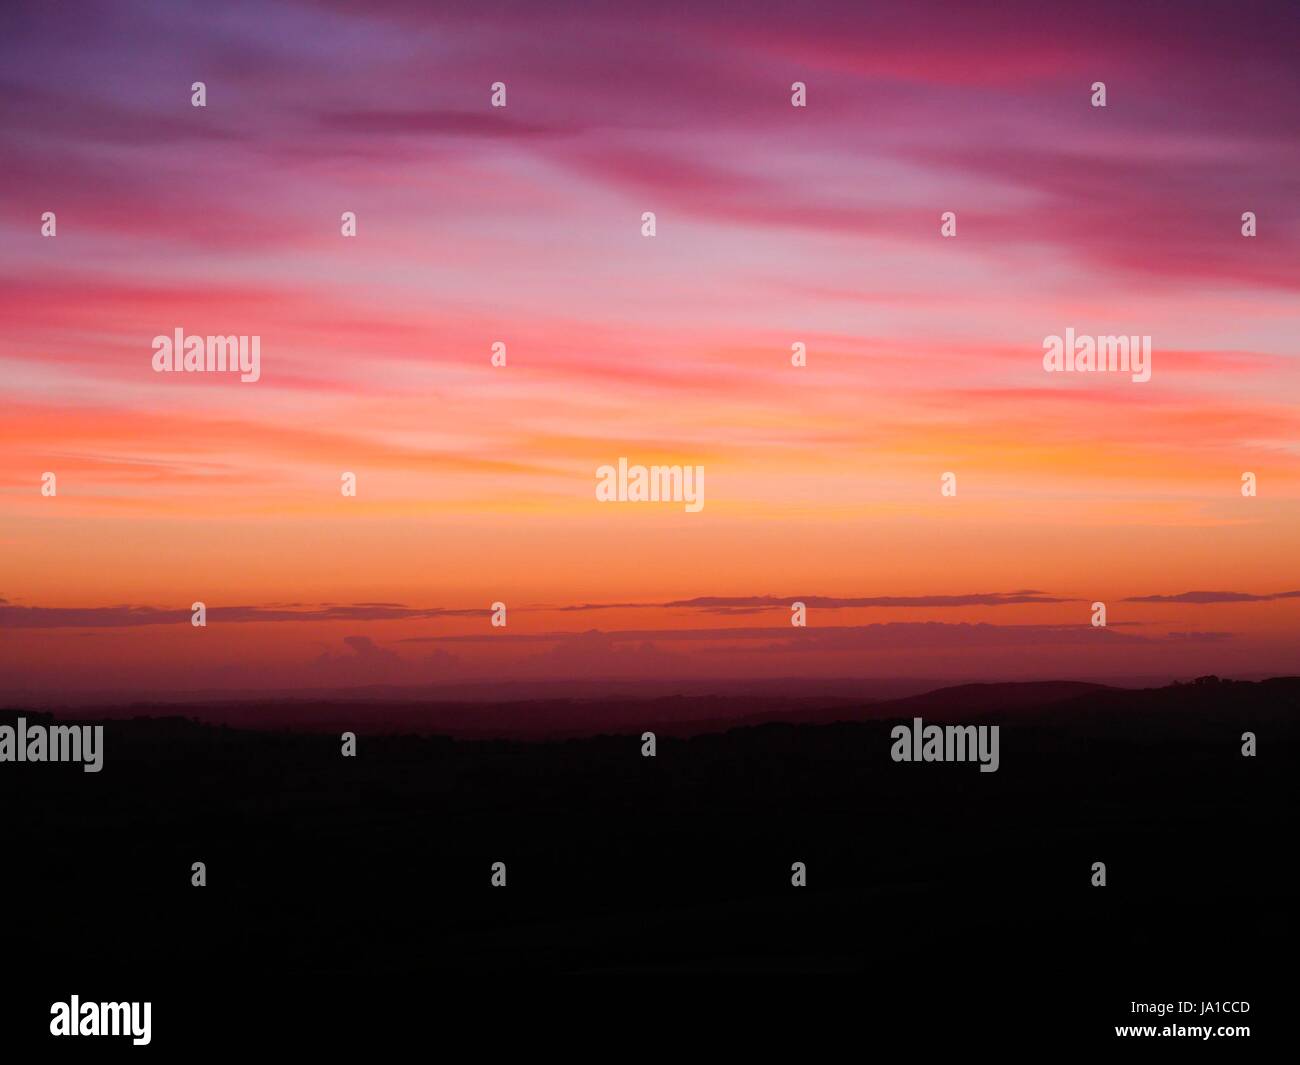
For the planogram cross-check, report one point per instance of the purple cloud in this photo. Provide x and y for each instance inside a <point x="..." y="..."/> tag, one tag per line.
<point x="112" y="617"/>
<point x="1212" y="597"/>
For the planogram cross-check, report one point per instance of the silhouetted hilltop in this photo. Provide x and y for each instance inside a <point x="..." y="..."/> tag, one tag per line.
<point x="679" y="715"/>
<point x="373" y="870"/>
<point x="986" y="698"/>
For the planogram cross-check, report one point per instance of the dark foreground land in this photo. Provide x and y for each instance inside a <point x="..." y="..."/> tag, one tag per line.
<point x="933" y="890"/>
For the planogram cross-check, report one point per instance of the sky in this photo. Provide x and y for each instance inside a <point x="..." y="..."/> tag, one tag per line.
<point x="523" y="224"/>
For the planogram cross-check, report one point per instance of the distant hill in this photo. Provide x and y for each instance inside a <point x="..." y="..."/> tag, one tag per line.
<point x="379" y="864"/>
<point x="984" y="698"/>
<point x="677" y="715"/>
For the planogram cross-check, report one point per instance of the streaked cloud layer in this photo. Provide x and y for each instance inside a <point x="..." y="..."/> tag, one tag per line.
<point x="776" y="225"/>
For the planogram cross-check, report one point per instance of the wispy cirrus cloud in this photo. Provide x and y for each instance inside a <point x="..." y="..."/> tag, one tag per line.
<point x="438" y="122"/>
<point x="776" y="224"/>
<point x="825" y="638"/>
<point x="125" y="616"/>
<point x="754" y="604"/>
<point x="1213" y="597"/>
<point x="1200" y="637"/>
<point x="116" y="617"/>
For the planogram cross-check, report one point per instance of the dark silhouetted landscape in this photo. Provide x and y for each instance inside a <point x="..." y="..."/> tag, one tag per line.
<point x="919" y="875"/>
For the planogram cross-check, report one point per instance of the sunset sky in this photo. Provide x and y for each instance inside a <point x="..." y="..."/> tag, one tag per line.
<point x="522" y="224"/>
